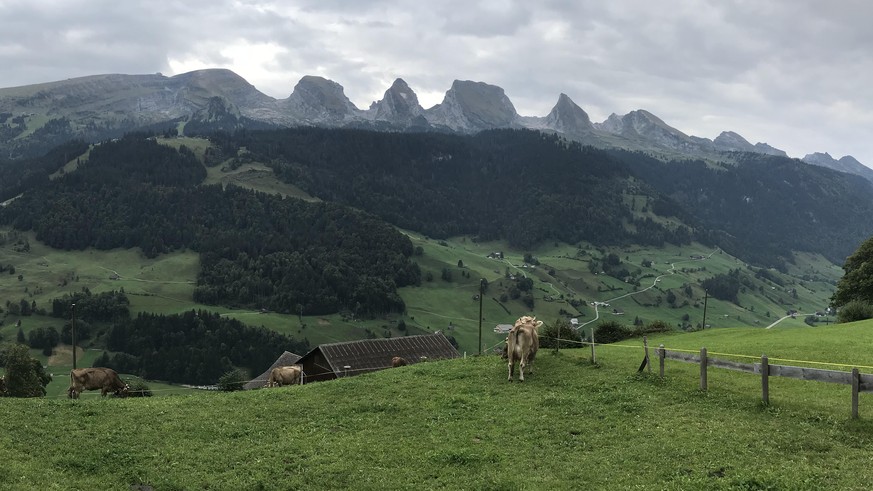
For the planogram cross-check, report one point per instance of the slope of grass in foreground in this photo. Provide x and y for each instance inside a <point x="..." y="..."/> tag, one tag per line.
<point x="458" y="424"/>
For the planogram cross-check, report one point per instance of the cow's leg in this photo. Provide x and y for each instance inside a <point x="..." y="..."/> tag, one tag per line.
<point x="521" y="365"/>
<point x="511" y="366"/>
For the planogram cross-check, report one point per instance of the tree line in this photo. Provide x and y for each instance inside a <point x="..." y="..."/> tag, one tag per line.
<point x="519" y="185"/>
<point x="195" y="347"/>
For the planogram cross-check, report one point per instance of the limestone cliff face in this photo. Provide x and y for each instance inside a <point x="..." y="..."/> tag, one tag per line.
<point x="567" y="117"/>
<point x="473" y="106"/>
<point x="317" y="100"/>
<point x="399" y="106"/>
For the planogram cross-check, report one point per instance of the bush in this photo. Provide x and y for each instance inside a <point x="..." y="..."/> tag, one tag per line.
<point x="550" y="333"/>
<point x="232" y="380"/>
<point x="856" y="310"/>
<point x="611" y="332"/>
<point x="652" y="327"/>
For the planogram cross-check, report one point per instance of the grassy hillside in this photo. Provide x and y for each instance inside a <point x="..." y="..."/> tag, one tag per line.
<point x="567" y="280"/>
<point x="458" y="424"/>
<point x="165" y="285"/>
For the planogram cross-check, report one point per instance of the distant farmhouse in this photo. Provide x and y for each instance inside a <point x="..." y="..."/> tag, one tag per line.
<point x="335" y="360"/>
<point x="502" y="328"/>
<point x="496" y="255"/>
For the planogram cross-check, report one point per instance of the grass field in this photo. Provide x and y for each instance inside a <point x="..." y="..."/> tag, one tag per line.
<point x="459" y="425"/>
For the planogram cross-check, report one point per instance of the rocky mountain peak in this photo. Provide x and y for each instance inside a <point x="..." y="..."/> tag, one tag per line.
<point x="472" y="106"/>
<point x="399" y="105"/>
<point x="844" y="164"/>
<point x="319" y="100"/>
<point x="638" y="123"/>
<point x="567" y="117"/>
<point x="729" y="141"/>
<point x="732" y="142"/>
<point x="765" y="148"/>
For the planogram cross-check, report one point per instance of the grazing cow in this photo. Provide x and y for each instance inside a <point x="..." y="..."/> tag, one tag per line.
<point x="398" y="361"/>
<point x="522" y="345"/>
<point x="105" y="379"/>
<point x="286" y="375"/>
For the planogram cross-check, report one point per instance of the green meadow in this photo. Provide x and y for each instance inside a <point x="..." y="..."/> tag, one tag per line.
<point x="458" y="424"/>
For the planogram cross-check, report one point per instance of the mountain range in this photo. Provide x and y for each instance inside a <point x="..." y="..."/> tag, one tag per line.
<point x="35" y="117"/>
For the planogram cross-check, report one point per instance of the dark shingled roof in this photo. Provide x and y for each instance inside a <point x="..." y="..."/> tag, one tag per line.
<point x="375" y="354"/>
<point x="287" y="358"/>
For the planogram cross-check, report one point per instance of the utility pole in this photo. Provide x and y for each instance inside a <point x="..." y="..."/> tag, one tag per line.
<point x="705" y="297"/>
<point x="481" y="294"/>
<point x="73" y="334"/>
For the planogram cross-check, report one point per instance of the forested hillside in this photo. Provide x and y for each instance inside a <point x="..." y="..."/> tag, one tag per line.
<point x="767" y="206"/>
<point x="526" y="187"/>
<point x="258" y="251"/>
<point x="518" y="185"/>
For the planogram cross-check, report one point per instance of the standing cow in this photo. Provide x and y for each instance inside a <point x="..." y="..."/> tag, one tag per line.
<point x="522" y="345"/>
<point x="105" y="379"/>
<point x="286" y="375"/>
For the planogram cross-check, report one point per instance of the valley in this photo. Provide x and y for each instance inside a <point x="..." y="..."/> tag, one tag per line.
<point x="165" y="285"/>
<point x="619" y="252"/>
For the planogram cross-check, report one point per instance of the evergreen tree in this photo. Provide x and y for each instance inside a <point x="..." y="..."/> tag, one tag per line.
<point x="25" y="376"/>
<point x="857" y="283"/>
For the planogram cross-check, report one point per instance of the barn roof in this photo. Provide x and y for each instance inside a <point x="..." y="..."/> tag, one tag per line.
<point x="286" y="358"/>
<point x="375" y="354"/>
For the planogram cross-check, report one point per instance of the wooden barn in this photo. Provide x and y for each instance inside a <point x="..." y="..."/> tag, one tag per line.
<point x="335" y="360"/>
<point x="287" y="358"/>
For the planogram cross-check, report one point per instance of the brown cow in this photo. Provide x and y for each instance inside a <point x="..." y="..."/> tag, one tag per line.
<point x="105" y="379"/>
<point x="285" y="375"/>
<point x="522" y="345"/>
<point x="398" y="361"/>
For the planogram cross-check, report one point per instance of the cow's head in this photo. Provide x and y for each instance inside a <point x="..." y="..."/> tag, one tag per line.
<point x="527" y="320"/>
<point x="124" y="391"/>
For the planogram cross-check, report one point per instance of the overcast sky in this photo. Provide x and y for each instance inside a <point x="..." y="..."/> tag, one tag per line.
<point x="797" y="74"/>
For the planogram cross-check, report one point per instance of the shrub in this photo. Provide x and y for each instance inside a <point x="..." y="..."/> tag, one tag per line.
<point x="856" y="310"/>
<point x="232" y="380"/>
<point x="561" y="329"/>
<point x="611" y="332"/>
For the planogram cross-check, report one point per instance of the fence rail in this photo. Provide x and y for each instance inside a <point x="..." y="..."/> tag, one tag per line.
<point x="860" y="382"/>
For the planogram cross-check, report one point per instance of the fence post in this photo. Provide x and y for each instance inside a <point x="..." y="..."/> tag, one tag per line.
<point x="593" y="356"/>
<point x="661" y="356"/>
<point x="703" y="369"/>
<point x="646" y="346"/>
<point x="856" y="386"/>
<point x="558" y="345"/>
<point x="765" y="380"/>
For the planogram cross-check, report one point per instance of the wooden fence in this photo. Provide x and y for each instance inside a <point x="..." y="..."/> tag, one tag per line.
<point x="860" y="382"/>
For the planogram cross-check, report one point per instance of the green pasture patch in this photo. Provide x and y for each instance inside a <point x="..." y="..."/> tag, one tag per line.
<point x="196" y="145"/>
<point x="456" y="424"/>
<point x="254" y="176"/>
